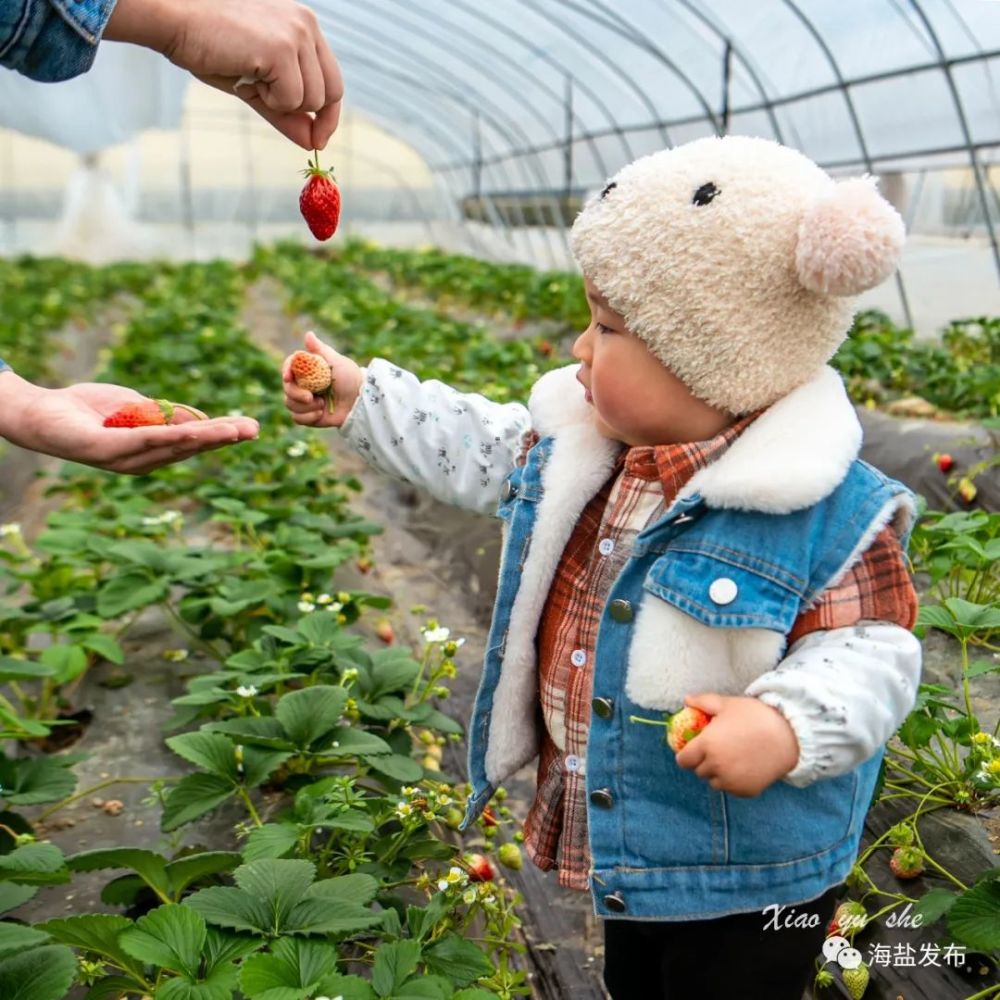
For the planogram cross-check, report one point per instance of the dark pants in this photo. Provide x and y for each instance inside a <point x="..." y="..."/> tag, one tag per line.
<point x="731" y="957"/>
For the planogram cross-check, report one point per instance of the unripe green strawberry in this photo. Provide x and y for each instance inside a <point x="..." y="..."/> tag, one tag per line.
<point x="907" y="862"/>
<point x="684" y="726"/>
<point x="850" y="917"/>
<point x="509" y="855"/>
<point x="856" y="981"/>
<point x="901" y="835"/>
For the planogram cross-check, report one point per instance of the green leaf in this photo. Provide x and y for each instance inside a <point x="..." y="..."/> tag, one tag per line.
<point x="280" y="884"/>
<point x="264" y="731"/>
<point x="979" y="667"/>
<point x="111" y="988"/>
<point x="348" y="987"/>
<point x="398" y="767"/>
<point x="128" y="592"/>
<point x="392" y="670"/>
<point x="193" y="796"/>
<point x="16" y="937"/>
<point x="320" y="627"/>
<point x="259" y="765"/>
<point x="348" y="742"/>
<point x="973" y="616"/>
<point x="358" y="888"/>
<point x="918" y="729"/>
<point x="421" y="922"/>
<point x="293" y="968"/>
<point x="169" y="937"/>
<point x="218" y="985"/>
<point x="66" y="661"/>
<point x="321" y="916"/>
<point x="457" y="959"/>
<point x="184" y="871"/>
<point x="474" y="993"/>
<point x="229" y="907"/>
<point x="29" y="781"/>
<point x="933" y="905"/>
<point x="34" y="864"/>
<point x="149" y="866"/>
<point x="212" y="752"/>
<point x="273" y="840"/>
<point x="12" y="895"/>
<point x="40" y="974"/>
<point x="425" y="988"/>
<point x="395" y="962"/>
<point x="105" y="646"/>
<point x="310" y="713"/>
<point x="20" y="670"/>
<point x="974" y="918"/>
<point x="95" y="932"/>
<point x="222" y="947"/>
<point x="936" y="616"/>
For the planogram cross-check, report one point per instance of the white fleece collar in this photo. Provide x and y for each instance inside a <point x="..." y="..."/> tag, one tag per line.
<point x="791" y="457"/>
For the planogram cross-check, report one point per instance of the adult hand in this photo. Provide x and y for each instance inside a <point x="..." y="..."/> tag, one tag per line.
<point x="69" y="423"/>
<point x="747" y="746"/>
<point x="311" y="411"/>
<point x="277" y="43"/>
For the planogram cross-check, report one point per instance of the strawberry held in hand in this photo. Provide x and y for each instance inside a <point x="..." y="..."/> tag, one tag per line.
<point x="684" y="726"/>
<point x="319" y="201"/>
<point x="312" y="372"/>
<point x="147" y="413"/>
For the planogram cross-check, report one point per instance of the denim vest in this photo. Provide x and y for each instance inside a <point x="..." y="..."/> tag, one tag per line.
<point x="664" y="844"/>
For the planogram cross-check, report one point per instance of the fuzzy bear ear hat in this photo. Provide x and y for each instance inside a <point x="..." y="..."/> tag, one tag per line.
<point x="737" y="261"/>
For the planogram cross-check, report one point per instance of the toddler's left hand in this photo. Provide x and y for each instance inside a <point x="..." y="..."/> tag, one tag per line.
<point x="747" y="746"/>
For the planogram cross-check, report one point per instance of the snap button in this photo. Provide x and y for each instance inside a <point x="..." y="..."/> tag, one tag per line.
<point x="621" y="610"/>
<point x="573" y="763"/>
<point x="602" y="797"/>
<point x="508" y="492"/>
<point x="615" y="902"/>
<point x="606" y="547"/>
<point x="603" y="708"/>
<point x="578" y="658"/>
<point x="723" y="590"/>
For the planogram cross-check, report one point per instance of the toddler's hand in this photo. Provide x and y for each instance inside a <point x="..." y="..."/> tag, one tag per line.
<point x="747" y="746"/>
<point x="310" y="410"/>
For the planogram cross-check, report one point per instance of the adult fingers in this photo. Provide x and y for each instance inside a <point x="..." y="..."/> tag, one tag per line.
<point x="328" y="116"/>
<point x="313" y="84"/>
<point x="155" y="450"/>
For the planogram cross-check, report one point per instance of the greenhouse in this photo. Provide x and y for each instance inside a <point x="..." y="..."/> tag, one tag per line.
<point x="499" y="500"/>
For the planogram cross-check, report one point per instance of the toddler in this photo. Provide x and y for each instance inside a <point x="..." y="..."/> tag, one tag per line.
<point x="686" y="522"/>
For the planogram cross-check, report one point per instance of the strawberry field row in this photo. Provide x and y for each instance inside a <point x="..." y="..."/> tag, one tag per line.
<point x="347" y="882"/>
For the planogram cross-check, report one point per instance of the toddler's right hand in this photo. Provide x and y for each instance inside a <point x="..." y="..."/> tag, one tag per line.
<point x="310" y="410"/>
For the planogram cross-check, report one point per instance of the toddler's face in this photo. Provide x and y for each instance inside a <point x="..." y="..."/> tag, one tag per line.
<point x="636" y="399"/>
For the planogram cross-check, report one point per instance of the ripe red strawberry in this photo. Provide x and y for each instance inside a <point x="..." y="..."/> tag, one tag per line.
<point x="489" y="817"/>
<point x="319" y="201"/>
<point x="364" y="565"/>
<point x="145" y="413"/>
<point x="944" y="461"/>
<point x="907" y="862"/>
<point x="385" y="631"/>
<point x="480" y="869"/>
<point x="684" y="726"/>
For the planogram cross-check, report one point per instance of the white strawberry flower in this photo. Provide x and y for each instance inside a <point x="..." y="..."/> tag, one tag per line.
<point x="175" y="655"/>
<point x="297" y="450"/>
<point x="403" y="810"/>
<point x="10" y="528"/>
<point x="306" y="606"/>
<point x="324" y="599"/>
<point x="437" y="634"/>
<point x="247" y="691"/>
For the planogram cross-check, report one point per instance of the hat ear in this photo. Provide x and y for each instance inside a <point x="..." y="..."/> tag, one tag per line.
<point x="849" y="241"/>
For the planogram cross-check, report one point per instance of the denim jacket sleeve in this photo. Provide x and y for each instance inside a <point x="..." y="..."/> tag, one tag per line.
<point x="51" y="40"/>
<point x="4" y="367"/>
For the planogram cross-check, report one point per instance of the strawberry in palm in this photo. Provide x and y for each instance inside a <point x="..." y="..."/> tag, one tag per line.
<point x="319" y="201"/>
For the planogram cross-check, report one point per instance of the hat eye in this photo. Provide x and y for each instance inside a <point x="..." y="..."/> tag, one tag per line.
<point x="705" y="194"/>
<point x="609" y="189"/>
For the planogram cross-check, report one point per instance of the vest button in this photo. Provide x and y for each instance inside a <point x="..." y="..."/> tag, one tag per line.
<point x="621" y="610"/>
<point x="603" y="708"/>
<point x="602" y="797"/>
<point x="615" y="902"/>
<point x="723" y="590"/>
<point x="508" y="492"/>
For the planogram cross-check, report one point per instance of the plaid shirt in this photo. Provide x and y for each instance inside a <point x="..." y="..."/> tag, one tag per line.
<point x="644" y="483"/>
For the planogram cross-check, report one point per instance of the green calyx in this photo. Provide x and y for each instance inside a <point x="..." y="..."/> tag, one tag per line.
<point x="315" y="170"/>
